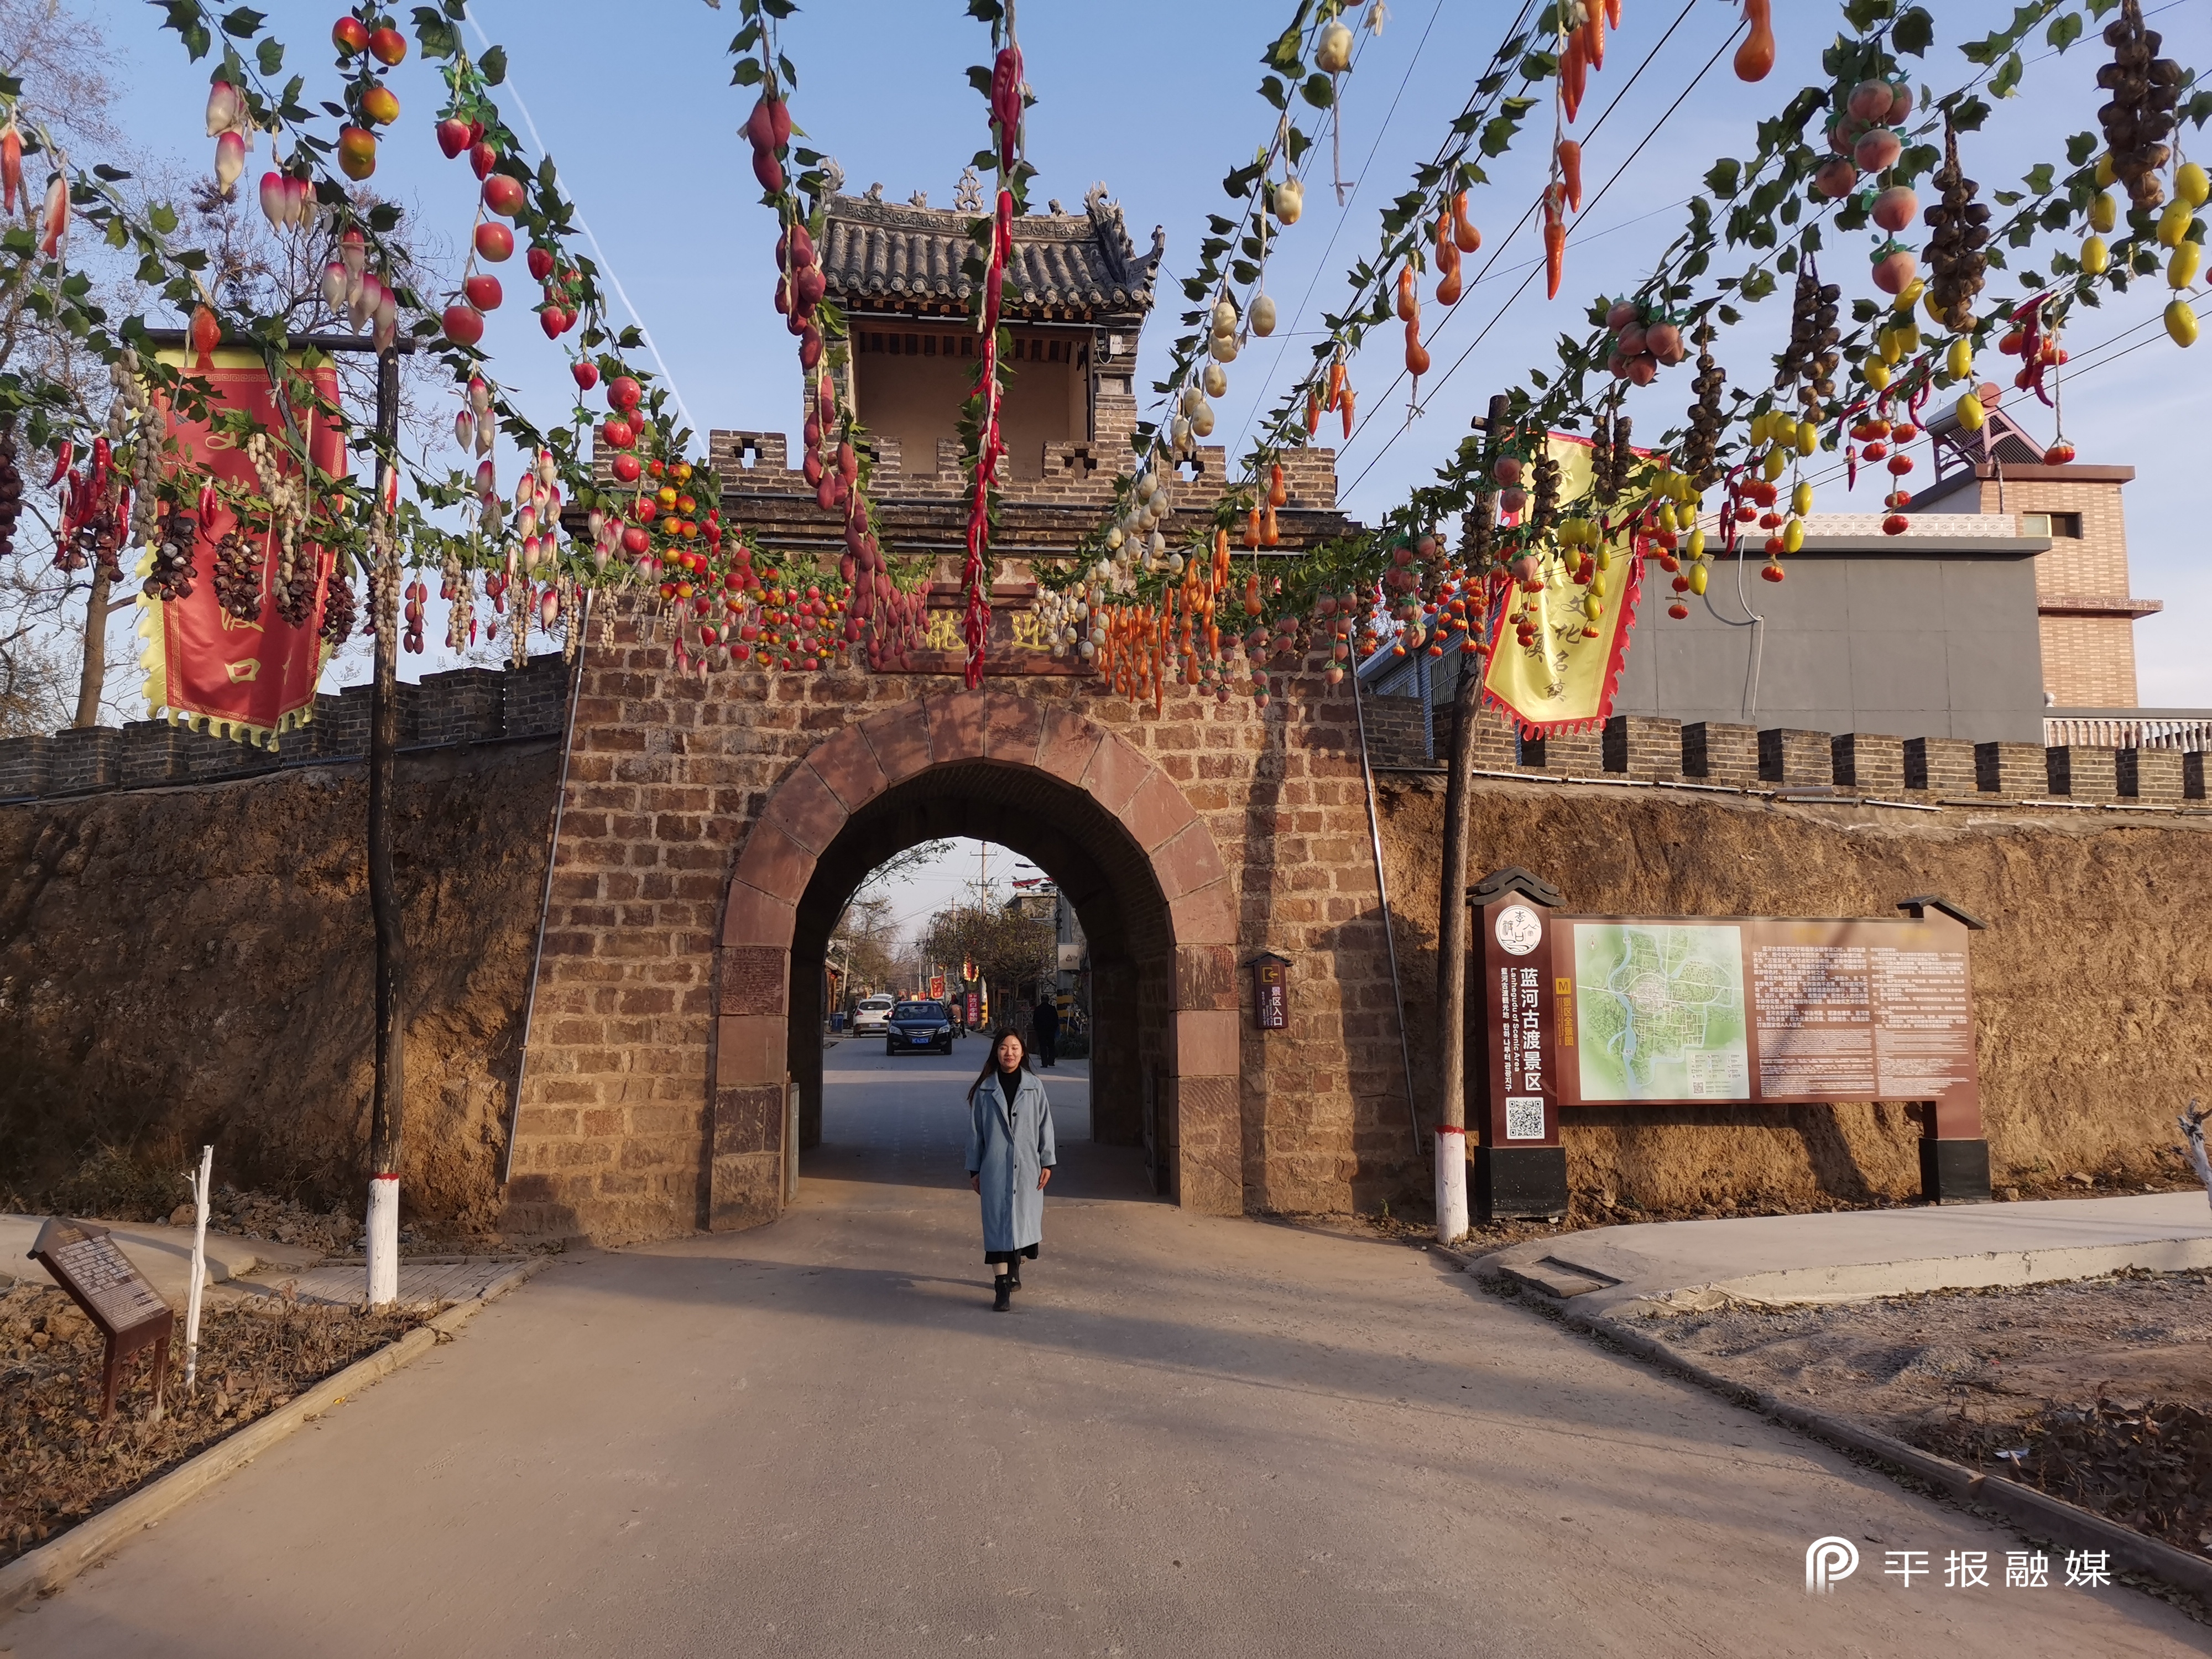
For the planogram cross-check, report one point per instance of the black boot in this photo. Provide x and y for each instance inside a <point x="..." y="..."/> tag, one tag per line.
<point x="1013" y="1275"/>
<point x="1004" y="1298"/>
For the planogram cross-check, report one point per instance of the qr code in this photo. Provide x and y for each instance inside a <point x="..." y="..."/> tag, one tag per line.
<point x="1524" y="1117"/>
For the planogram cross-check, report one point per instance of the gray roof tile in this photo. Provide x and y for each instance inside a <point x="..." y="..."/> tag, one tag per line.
<point x="873" y="250"/>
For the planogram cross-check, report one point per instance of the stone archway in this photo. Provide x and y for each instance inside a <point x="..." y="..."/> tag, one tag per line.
<point x="1092" y="810"/>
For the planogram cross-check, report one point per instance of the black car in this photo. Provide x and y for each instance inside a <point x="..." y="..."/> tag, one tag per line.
<point x="915" y="1027"/>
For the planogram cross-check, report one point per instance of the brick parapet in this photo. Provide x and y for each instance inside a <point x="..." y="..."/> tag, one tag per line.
<point x="464" y="706"/>
<point x="1715" y="752"/>
<point x="1869" y="762"/>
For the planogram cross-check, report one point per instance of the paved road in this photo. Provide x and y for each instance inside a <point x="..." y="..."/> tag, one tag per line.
<point x="1191" y="1435"/>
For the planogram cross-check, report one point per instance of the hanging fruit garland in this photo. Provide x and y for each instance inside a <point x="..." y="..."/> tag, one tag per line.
<point x="1007" y="96"/>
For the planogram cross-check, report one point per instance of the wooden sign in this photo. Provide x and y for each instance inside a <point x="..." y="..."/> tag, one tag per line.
<point x="1271" y="992"/>
<point x="86" y="1262"/>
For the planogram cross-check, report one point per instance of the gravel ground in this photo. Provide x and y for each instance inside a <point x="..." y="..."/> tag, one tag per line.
<point x="60" y="1464"/>
<point x="2098" y="1391"/>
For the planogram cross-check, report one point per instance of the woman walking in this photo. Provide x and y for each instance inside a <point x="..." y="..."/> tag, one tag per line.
<point x="1009" y="1158"/>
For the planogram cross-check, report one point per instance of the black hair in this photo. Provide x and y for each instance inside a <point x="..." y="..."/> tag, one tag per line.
<point x="991" y="1057"/>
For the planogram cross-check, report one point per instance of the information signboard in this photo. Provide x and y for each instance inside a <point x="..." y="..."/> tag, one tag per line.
<point x="87" y="1262"/>
<point x="1630" y="1011"/>
<point x="1691" y="1011"/>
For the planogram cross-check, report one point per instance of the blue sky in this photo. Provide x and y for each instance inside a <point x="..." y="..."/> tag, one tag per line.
<point x="1158" y="99"/>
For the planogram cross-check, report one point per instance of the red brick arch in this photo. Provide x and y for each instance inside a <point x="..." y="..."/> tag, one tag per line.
<point x="961" y="737"/>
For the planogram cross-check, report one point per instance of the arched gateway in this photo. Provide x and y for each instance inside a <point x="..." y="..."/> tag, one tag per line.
<point x="714" y="826"/>
<point x="1108" y="824"/>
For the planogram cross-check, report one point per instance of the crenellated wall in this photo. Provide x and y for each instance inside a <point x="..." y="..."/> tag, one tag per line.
<point x="463" y="705"/>
<point x="185" y="955"/>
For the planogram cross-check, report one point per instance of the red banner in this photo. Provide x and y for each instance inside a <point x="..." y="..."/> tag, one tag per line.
<point x="205" y="667"/>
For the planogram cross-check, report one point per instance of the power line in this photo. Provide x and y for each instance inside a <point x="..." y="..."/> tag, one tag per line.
<point x="1618" y="173"/>
<point x="1344" y="217"/>
<point x="484" y="42"/>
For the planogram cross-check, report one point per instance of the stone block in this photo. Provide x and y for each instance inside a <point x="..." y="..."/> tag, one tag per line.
<point x="1940" y="766"/>
<point x="1797" y="759"/>
<point x="900" y="737"/>
<point x="956" y="727"/>
<point x="2018" y="770"/>
<point x="744" y="1190"/>
<point x="1067" y="744"/>
<point x="1157" y="813"/>
<point x="1643" y="746"/>
<point x="775" y="863"/>
<point x="1116" y="772"/>
<point x="848" y="765"/>
<point x="752" y="917"/>
<point x="1715" y="752"/>
<point x="806" y="809"/>
<point x="1188" y="862"/>
<point x="1204" y="917"/>
<point x="1207" y="1043"/>
<point x="752" y="980"/>
<point x="748" y="1050"/>
<point x="1206" y="977"/>
<point x="1869" y="762"/>
<point x="1012" y="727"/>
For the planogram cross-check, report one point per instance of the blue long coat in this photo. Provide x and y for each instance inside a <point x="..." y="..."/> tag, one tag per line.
<point x="1006" y="1148"/>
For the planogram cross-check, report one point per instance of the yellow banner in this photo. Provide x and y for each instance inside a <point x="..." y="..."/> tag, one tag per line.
<point x="1564" y="679"/>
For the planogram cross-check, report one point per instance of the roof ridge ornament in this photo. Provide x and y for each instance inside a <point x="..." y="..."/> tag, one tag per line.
<point x="1106" y="226"/>
<point x="967" y="195"/>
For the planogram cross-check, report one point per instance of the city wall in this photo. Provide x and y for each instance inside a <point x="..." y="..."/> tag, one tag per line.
<point x="186" y="958"/>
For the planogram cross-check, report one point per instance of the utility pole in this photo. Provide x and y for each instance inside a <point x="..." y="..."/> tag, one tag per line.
<point x="1451" y="900"/>
<point x="388" y="1100"/>
<point x="388" y="1091"/>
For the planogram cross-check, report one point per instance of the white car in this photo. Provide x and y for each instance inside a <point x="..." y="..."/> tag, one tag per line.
<point x="872" y="1017"/>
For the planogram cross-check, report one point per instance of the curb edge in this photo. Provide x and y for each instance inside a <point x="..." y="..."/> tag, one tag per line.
<point x="2063" y="1522"/>
<point x="32" y="1577"/>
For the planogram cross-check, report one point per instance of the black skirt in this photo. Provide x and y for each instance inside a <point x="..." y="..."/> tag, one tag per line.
<point x="1001" y="1257"/>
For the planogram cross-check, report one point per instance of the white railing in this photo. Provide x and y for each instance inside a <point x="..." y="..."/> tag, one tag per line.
<point x="2187" y="730"/>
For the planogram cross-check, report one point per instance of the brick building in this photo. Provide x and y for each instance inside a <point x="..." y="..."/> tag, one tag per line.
<point x="2086" y="614"/>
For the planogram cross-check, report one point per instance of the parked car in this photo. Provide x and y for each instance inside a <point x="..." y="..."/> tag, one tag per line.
<point x="918" y="1025"/>
<point x="871" y="1017"/>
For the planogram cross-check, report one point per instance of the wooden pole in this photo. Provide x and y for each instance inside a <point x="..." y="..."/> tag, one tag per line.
<point x="1451" y="925"/>
<point x="92" y="668"/>
<point x="388" y="1098"/>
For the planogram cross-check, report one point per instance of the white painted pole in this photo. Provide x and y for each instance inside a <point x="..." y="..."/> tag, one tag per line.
<point x="1451" y="1185"/>
<point x="199" y="1185"/>
<point x="2192" y="1128"/>
<point x="383" y="1241"/>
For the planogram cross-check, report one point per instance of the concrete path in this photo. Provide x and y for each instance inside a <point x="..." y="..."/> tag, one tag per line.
<point x="164" y="1255"/>
<point x="1191" y="1437"/>
<point x="1856" y="1255"/>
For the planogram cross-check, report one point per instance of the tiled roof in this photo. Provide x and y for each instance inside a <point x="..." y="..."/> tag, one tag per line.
<point x="874" y="250"/>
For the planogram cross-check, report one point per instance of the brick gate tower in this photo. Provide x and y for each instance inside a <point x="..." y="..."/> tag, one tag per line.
<point x="716" y="826"/>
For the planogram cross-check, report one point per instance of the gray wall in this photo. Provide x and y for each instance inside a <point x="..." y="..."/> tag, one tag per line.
<point x="1932" y="645"/>
<point x="1942" y="642"/>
